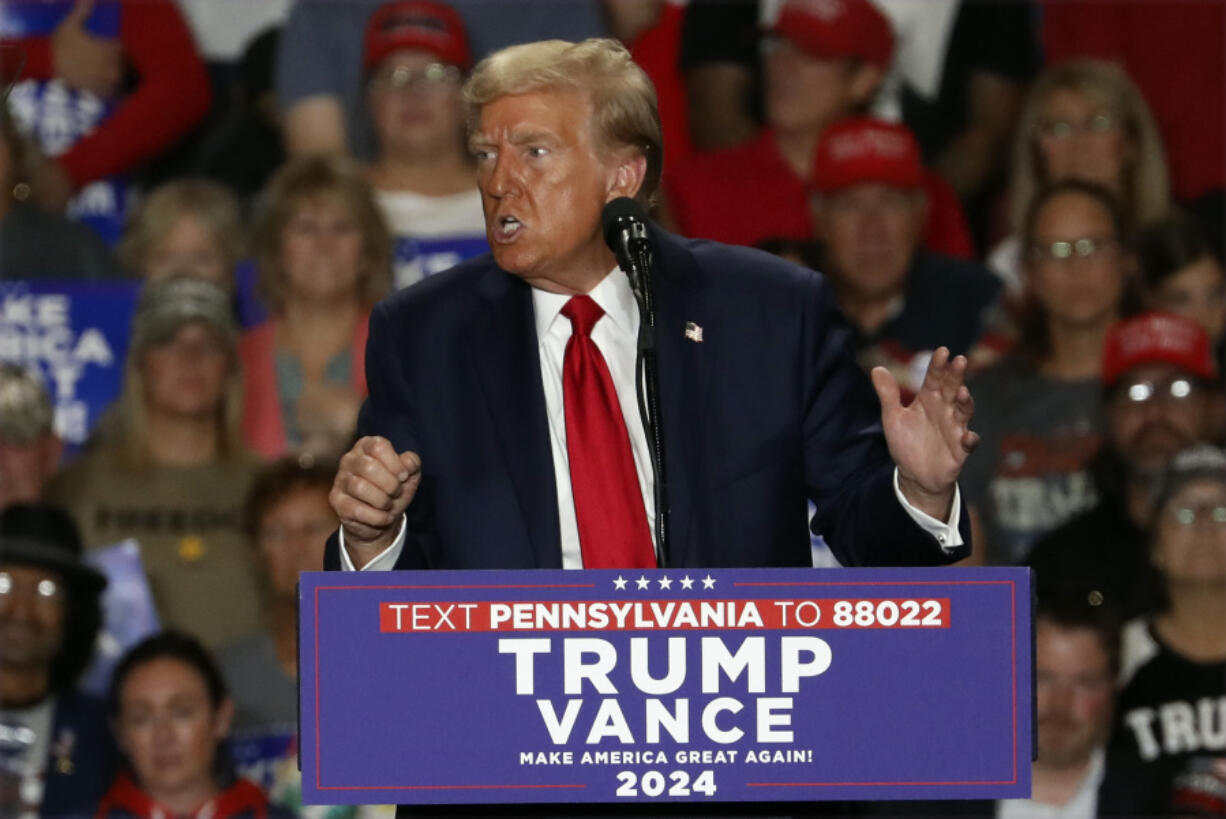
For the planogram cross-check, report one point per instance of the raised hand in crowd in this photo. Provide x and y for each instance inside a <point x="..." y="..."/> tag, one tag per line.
<point x="83" y="60"/>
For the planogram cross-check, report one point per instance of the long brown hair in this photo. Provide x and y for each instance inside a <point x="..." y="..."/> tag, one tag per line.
<point x="1034" y="337"/>
<point x="331" y="178"/>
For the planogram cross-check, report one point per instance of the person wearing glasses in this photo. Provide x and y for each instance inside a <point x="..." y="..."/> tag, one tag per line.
<point x="1038" y="408"/>
<point x="56" y="751"/>
<point x="1083" y="119"/>
<point x="425" y="181"/>
<point x="1160" y="396"/>
<point x="1169" y="723"/>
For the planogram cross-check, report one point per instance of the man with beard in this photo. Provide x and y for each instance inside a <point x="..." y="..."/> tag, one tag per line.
<point x="1160" y="397"/>
<point x="56" y="754"/>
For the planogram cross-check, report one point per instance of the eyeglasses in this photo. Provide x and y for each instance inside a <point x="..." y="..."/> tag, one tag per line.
<point x="1067" y="250"/>
<point x="1208" y="512"/>
<point x="1140" y="392"/>
<point x="432" y="77"/>
<point x="44" y="589"/>
<point x="1061" y="129"/>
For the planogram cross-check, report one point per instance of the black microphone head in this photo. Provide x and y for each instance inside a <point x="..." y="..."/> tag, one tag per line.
<point x="619" y="215"/>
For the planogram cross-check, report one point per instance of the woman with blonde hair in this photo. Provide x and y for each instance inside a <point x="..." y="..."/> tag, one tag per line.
<point x="324" y="257"/>
<point x="186" y="227"/>
<point x="1085" y="120"/>
<point x="168" y="467"/>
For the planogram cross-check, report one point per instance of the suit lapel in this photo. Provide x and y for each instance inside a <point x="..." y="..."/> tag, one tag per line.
<point x="685" y="372"/>
<point x="505" y="353"/>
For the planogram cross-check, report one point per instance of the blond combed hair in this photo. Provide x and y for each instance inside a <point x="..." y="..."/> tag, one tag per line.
<point x="623" y="99"/>
<point x="335" y="179"/>
<point x="213" y="205"/>
<point x="1145" y="195"/>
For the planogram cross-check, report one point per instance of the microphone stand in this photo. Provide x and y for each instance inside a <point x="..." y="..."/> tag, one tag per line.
<point x="647" y="380"/>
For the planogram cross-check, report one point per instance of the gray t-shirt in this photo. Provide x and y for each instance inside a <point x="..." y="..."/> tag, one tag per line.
<point x="321" y="46"/>
<point x="265" y="697"/>
<point x="1030" y="472"/>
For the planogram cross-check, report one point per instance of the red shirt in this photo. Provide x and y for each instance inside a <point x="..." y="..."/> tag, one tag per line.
<point x="657" y="50"/>
<point x="747" y="193"/>
<point x="171" y="95"/>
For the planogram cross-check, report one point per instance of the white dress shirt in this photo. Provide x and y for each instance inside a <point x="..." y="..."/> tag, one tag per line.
<point x="616" y="335"/>
<point x="1083" y="805"/>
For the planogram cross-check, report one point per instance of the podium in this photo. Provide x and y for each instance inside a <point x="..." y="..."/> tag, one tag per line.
<point x="717" y="686"/>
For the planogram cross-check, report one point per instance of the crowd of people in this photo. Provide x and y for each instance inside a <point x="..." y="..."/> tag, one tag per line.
<point x="1022" y="183"/>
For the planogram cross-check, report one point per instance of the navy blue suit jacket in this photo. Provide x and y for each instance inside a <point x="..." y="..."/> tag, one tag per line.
<point x="769" y="409"/>
<point x="83" y="757"/>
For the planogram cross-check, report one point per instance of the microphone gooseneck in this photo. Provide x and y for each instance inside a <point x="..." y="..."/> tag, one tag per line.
<point x="625" y="232"/>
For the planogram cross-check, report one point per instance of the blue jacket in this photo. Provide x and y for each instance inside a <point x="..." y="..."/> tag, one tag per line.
<point x="82" y="759"/>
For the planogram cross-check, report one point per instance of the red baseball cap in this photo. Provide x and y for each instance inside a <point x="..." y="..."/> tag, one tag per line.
<point x="864" y="149"/>
<point x="433" y="27"/>
<point x="837" y="28"/>
<point x="1157" y="338"/>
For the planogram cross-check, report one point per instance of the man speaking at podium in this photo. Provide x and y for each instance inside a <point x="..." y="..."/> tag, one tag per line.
<point x="502" y="428"/>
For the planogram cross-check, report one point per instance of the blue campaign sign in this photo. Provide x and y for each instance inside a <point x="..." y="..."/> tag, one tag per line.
<point x="728" y="685"/>
<point x="414" y="258"/>
<point x="33" y="18"/>
<point x="75" y="335"/>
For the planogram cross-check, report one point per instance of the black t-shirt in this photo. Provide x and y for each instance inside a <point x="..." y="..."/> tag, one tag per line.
<point x="1101" y="553"/>
<point x="999" y="38"/>
<point x="1170" y="730"/>
<point x="947" y="301"/>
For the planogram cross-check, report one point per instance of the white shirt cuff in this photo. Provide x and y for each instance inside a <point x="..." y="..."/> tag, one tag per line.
<point x="946" y="533"/>
<point x="386" y="560"/>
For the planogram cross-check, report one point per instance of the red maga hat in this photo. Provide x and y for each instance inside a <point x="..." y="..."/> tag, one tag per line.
<point x="830" y="29"/>
<point x="429" y="26"/>
<point x="1157" y="338"/>
<point x="864" y="149"/>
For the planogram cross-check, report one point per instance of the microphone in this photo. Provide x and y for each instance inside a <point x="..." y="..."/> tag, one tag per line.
<point x="625" y="232"/>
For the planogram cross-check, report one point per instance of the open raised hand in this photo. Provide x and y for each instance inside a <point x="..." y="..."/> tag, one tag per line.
<point x="930" y="438"/>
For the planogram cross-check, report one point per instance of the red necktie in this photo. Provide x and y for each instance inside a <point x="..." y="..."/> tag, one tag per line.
<point x="613" y="531"/>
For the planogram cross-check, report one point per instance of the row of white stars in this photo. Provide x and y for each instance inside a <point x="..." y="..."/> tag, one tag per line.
<point x="687" y="582"/>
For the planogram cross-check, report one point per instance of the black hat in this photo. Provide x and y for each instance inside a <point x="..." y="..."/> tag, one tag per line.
<point x="39" y="534"/>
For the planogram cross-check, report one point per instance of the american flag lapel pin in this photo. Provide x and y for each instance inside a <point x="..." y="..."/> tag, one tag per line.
<point x="693" y="332"/>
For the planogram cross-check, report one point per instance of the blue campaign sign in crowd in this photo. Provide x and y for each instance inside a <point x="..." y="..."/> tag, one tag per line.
<point x="75" y="335"/>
